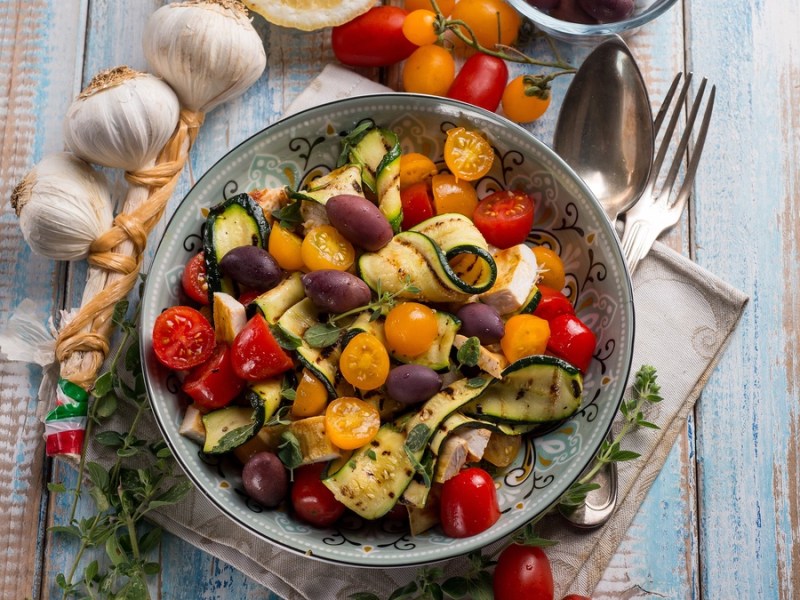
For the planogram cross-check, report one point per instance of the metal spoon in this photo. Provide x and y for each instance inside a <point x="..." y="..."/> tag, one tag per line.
<point x="605" y="133"/>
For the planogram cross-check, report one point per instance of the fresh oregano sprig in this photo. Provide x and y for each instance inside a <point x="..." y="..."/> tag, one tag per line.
<point x="141" y="478"/>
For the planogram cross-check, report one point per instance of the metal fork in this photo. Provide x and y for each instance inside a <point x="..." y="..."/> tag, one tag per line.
<point x="656" y="211"/>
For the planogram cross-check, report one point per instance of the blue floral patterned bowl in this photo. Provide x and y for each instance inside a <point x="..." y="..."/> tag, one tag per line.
<point x="567" y="219"/>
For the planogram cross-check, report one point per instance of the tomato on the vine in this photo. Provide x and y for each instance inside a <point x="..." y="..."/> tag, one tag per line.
<point x="182" y="338"/>
<point x="311" y="500"/>
<point x="480" y="81"/>
<point x="420" y="27"/>
<point x="255" y="354"/>
<point x="445" y="6"/>
<point x="214" y="384"/>
<point x="416" y="202"/>
<point x="492" y="21"/>
<point x="520" y="107"/>
<point x="467" y="154"/>
<point x="572" y="341"/>
<point x="429" y="70"/>
<point x="373" y="39"/>
<point x="194" y="281"/>
<point x="468" y="504"/>
<point x="504" y="217"/>
<point x="522" y="572"/>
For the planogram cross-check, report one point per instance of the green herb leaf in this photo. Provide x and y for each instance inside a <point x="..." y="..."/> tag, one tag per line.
<point x="173" y="495"/>
<point x="120" y="310"/>
<point x="371" y="454"/>
<point x="322" y="335"/>
<point x="417" y="437"/>
<point x="112" y="439"/>
<point x="56" y="488"/>
<point x="470" y="352"/>
<point x="476" y="382"/>
<point x="102" y="386"/>
<point x="289" y="216"/>
<point x="289" y="450"/>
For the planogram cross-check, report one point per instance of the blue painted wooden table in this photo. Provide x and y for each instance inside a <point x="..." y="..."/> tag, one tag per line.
<point x="722" y="520"/>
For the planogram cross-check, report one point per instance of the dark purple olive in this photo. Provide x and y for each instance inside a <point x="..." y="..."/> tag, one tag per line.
<point x="544" y="4"/>
<point x="251" y="266"/>
<point x="359" y="220"/>
<point x="570" y="10"/>
<point x="336" y="291"/>
<point x="481" y="321"/>
<point x="411" y="384"/>
<point x="264" y="479"/>
<point x="607" y="11"/>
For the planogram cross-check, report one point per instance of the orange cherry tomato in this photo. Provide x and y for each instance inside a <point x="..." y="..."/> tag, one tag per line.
<point x="429" y="70"/>
<point x="364" y="362"/>
<point x="311" y="396"/>
<point x="525" y="335"/>
<point x="420" y="27"/>
<point x="415" y="167"/>
<point x="492" y="21"/>
<point x="411" y="328"/>
<point x="521" y="107"/>
<point x="452" y="195"/>
<point x="445" y="6"/>
<point x="350" y="422"/>
<point x="285" y="247"/>
<point x="551" y="268"/>
<point x="467" y="154"/>
<point x="325" y="248"/>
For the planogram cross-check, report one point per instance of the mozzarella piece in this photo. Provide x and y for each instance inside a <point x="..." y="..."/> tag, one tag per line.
<point x="517" y="273"/>
<point x="230" y="317"/>
<point x="192" y="425"/>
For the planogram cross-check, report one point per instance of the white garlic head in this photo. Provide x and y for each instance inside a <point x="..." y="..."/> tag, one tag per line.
<point x="207" y="50"/>
<point x="122" y="119"/>
<point x="63" y="205"/>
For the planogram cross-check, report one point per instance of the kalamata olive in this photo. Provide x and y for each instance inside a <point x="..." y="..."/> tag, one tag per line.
<point x="359" y="220"/>
<point x="264" y="479"/>
<point x="607" y="11"/>
<point x="570" y="10"/>
<point x="544" y="4"/>
<point x="336" y="291"/>
<point x="481" y="321"/>
<point x="411" y="384"/>
<point x="251" y="266"/>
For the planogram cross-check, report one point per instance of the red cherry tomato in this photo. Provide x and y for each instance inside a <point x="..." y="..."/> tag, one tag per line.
<point x="468" y="503"/>
<point x="417" y="204"/>
<point x="248" y="296"/>
<point x="572" y="341"/>
<point x="214" y="384"/>
<point x="373" y="39"/>
<point x="504" y="218"/>
<point x="194" y="280"/>
<point x="255" y="354"/>
<point x="182" y="338"/>
<point x="312" y="501"/>
<point x="522" y="572"/>
<point x="480" y="81"/>
<point x="552" y="303"/>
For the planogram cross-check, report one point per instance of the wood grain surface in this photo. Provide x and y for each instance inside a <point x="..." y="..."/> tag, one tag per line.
<point x="722" y="520"/>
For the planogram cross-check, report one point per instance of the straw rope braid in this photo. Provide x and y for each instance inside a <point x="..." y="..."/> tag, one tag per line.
<point x="86" y="335"/>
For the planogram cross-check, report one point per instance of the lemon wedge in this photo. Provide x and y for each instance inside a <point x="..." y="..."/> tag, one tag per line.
<point x="309" y="15"/>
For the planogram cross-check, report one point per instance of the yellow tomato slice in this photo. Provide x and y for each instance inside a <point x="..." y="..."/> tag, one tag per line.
<point x="525" y="335"/>
<point x="453" y="195"/>
<point x="551" y="268"/>
<point x="284" y="246"/>
<point x="350" y="422"/>
<point x="467" y="154"/>
<point x="364" y="362"/>
<point x="415" y="167"/>
<point x="311" y="396"/>
<point x="325" y="248"/>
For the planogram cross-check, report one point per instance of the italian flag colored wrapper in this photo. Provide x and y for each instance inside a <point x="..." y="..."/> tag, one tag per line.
<point x="65" y="425"/>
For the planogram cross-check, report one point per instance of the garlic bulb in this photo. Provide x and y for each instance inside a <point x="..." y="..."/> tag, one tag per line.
<point x="208" y="50"/>
<point x="63" y="205"/>
<point x="122" y="119"/>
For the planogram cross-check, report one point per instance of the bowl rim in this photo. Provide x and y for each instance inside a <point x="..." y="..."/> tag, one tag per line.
<point x="388" y="97"/>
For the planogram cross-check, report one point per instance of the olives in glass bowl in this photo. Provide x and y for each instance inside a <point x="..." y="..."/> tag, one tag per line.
<point x="589" y="21"/>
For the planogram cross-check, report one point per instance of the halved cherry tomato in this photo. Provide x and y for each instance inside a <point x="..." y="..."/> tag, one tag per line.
<point x="364" y="362"/>
<point x="525" y="335"/>
<point x="325" y="248"/>
<point x="247" y="296"/>
<point x="311" y="396"/>
<point x="214" y="384"/>
<point x="411" y="328"/>
<point x="429" y="70"/>
<point x="551" y="267"/>
<point x="453" y="195"/>
<point x="415" y="167"/>
<point x="419" y="27"/>
<point x="193" y="280"/>
<point x="521" y="107"/>
<point x="504" y="218"/>
<point x="350" y="422"/>
<point x="522" y="572"/>
<point x="285" y="247"/>
<point x="468" y="503"/>
<point x="373" y="39"/>
<point x="467" y="154"/>
<point x="311" y="500"/>
<point x="572" y="341"/>
<point x="255" y="354"/>
<point x="552" y="303"/>
<point x="182" y="338"/>
<point x="480" y="81"/>
<point x="416" y="202"/>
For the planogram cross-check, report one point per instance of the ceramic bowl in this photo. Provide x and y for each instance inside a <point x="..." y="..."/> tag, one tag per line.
<point x="567" y="219"/>
<point x="587" y="34"/>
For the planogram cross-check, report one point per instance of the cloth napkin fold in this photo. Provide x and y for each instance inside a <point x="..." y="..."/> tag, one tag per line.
<point x="684" y="318"/>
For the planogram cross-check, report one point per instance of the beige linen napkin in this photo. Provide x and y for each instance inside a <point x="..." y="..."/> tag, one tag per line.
<point x="701" y="312"/>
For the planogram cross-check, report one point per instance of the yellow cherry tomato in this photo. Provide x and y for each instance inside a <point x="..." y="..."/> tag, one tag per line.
<point x="350" y="422"/>
<point x="445" y="6"/>
<point x="551" y="268"/>
<point x="419" y="27"/>
<point x="429" y="70"/>
<point x="411" y="328"/>
<point x="525" y="335"/>
<point x="452" y="195"/>
<point x="519" y="106"/>
<point x="415" y="167"/>
<point x="467" y="154"/>
<point x="325" y="248"/>
<point x="492" y="21"/>
<point x="284" y="246"/>
<point x="311" y="396"/>
<point x="364" y="362"/>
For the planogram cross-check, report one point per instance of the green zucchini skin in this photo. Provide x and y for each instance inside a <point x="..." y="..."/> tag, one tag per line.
<point x="534" y="389"/>
<point x="237" y="221"/>
<point x="232" y="426"/>
<point x="343" y="180"/>
<point x="437" y="357"/>
<point x="275" y="302"/>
